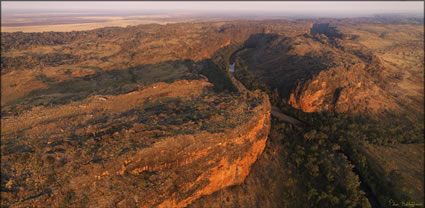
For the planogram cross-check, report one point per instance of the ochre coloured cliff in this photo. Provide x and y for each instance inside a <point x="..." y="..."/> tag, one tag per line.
<point x="164" y="145"/>
<point x="342" y="90"/>
<point x="325" y="71"/>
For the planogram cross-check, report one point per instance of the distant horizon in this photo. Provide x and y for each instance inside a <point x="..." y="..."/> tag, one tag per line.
<point x="284" y="9"/>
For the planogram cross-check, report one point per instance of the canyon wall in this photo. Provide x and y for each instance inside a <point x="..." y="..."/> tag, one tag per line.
<point x="164" y="145"/>
<point x="198" y="164"/>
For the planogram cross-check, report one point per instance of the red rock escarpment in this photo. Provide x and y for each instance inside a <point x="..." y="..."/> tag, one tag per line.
<point x="130" y="167"/>
<point x="343" y="90"/>
<point x="180" y="169"/>
<point x="205" y="162"/>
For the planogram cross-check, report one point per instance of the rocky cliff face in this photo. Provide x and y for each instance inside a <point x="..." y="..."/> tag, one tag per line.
<point x="164" y="145"/>
<point x="319" y="72"/>
<point x="342" y="90"/>
<point x="226" y="163"/>
<point x="263" y="187"/>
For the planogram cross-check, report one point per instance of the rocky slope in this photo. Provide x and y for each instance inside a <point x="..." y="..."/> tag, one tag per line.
<point x="171" y="143"/>
<point x="327" y="72"/>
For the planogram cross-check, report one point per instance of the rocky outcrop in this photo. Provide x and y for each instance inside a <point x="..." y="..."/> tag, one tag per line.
<point x="125" y="151"/>
<point x="330" y="31"/>
<point x="187" y="167"/>
<point x="210" y="162"/>
<point x="232" y="158"/>
<point x="263" y="187"/>
<point x="342" y="90"/>
<point x="324" y="72"/>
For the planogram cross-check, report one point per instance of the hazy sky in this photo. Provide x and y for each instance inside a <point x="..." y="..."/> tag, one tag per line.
<point x="347" y="7"/>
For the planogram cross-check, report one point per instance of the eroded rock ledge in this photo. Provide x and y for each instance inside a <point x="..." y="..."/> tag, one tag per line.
<point x="203" y="163"/>
<point x="164" y="145"/>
